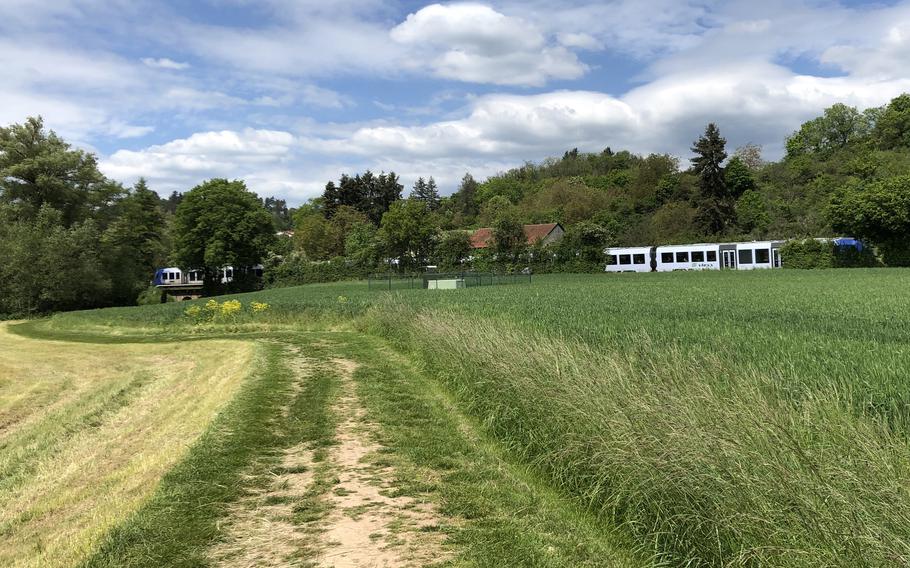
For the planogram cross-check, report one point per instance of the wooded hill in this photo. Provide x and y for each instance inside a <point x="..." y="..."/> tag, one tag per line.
<point x="71" y="238"/>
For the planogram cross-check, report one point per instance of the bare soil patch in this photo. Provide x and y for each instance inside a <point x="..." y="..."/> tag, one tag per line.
<point x="369" y="526"/>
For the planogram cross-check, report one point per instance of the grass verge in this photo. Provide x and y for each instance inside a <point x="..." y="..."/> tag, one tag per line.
<point x="180" y="522"/>
<point x="495" y="511"/>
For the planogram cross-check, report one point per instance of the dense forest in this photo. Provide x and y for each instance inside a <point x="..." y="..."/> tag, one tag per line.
<point x="71" y="238"/>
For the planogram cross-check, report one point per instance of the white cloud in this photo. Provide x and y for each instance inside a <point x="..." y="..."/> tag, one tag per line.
<point x="580" y="40"/>
<point x="164" y="63"/>
<point x="260" y="155"/>
<point x="883" y="51"/>
<point x="123" y="130"/>
<point x="760" y="103"/>
<point x="475" y="43"/>
<point x="642" y="29"/>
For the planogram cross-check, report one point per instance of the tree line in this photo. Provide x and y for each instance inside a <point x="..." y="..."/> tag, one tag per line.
<point x="70" y="238"/>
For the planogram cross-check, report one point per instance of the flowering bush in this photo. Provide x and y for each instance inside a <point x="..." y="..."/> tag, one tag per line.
<point x="230" y="308"/>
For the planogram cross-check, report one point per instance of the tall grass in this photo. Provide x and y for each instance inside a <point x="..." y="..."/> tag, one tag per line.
<point x="711" y="465"/>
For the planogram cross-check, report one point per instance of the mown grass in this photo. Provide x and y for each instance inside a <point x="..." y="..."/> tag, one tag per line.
<point x="723" y="419"/>
<point x="86" y="432"/>
<point x="241" y="449"/>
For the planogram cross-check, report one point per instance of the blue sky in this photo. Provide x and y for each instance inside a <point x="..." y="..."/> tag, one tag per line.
<point x="289" y="94"/>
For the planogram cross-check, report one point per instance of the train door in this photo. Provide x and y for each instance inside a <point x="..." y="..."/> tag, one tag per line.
<point x="728" y="258"/>
<point x="775" y="258"/>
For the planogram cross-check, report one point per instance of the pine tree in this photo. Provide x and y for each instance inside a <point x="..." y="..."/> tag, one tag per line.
<point x="466" y="197"/>
<point x="420" y="189"/>
<point x="426" y="191"/>
<point x="716" y="204"/>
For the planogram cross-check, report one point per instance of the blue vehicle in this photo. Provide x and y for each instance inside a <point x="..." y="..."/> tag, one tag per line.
<point x="187" y="284"/>
<point x="170" y="277"/>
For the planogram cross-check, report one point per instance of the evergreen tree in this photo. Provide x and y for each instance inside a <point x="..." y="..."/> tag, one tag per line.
<point x="426" y="191"/>
<point x="466" y="198"/>
<point x="170" y="204"/>
<point x="281" y="215"/>
<point x="716" y="205"/>
<point x="135" y="242"/>
<point x="419" y="189"/>
<point x="382" y="194"/>
<point x="368" y="193"/>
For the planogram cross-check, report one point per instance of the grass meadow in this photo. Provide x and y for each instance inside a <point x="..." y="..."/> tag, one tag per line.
<point x="87" y="431"/>
<point x="710" y="419"/>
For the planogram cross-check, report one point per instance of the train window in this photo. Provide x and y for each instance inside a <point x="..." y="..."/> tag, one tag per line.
<point x="666" y="257"/>
<point x="712" y="256"/>
<point x="625" y="259"/>
<point x="698" y="256"/>
<point x="682" y="257"/>
<point x="638" y="258"/>
<point x="745" y="256"/>
<point x="762" y="256"/>
<point x="611" y="260"/>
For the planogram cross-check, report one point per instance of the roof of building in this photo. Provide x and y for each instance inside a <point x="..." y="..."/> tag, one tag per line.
<point x="533" y="233"/>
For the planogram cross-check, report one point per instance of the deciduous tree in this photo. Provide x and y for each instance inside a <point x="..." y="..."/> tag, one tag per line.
<point x="220" y="223"/>
<point x="408" y="232"/>
<point x="38" y="167"/>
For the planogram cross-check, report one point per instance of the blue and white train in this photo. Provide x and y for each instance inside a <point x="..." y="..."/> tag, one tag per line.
<point x="699" y="256"/>
<point x="752" y="255"/>
<point x="176" y="278"/>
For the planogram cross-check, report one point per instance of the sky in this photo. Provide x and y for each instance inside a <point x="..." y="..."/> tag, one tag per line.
<point x="289" y="94"/>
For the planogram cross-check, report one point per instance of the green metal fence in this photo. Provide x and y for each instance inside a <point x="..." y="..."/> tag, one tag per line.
<point x="431" y="280"/>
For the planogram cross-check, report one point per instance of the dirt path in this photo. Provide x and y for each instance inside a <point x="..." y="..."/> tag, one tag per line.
<point x="330" y="507"/>
<point x="368" y="525"/>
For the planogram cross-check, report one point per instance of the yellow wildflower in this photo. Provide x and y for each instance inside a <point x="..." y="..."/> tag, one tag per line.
<point x="230" y="308"/>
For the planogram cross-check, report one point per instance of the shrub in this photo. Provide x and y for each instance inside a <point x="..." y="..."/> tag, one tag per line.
<point x="811" y="253"/>
<point x="807" y="254"/>
<point x="150" y="296"/>
<point x="296" y="270"/>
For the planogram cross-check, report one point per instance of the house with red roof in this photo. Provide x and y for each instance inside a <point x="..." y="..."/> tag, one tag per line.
<point x="541" y="233"/>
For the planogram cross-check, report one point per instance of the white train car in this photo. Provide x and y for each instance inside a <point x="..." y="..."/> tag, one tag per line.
<point x="757" y="255"/>
<point x="173" y="276"/>
<point x="630" y="259"/>
<point x="699" y="256"/>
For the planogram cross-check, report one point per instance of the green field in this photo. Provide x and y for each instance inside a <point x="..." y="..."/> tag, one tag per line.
<point x="701" y="419"/>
